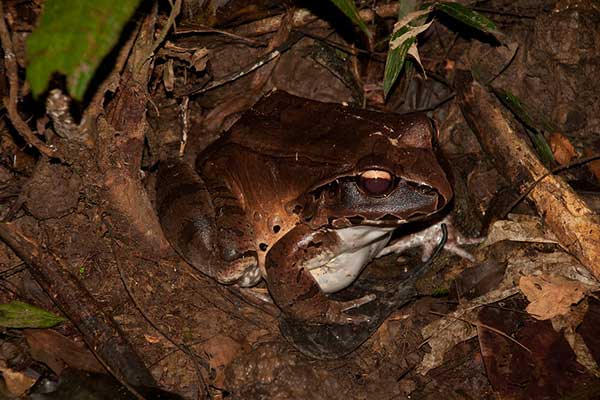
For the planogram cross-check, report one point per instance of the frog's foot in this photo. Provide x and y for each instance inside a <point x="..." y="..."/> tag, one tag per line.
<point x="244" y="271"/>
<point x="429" y="239"/>
<point x="336" y="311"/>
<point x="340" y="332"/>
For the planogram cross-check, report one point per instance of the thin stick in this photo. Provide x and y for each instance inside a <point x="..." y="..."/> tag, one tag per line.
<point x="572" y="164"/>
<point x="205" y="29"/>
<point x="150" y="321"/>
<point x="175" y="10"/>
<point x="480" y="325"/>
<point x="244" y="71"/>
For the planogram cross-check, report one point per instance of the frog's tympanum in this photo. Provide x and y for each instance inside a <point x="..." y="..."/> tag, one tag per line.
<point x="304" y="195"/>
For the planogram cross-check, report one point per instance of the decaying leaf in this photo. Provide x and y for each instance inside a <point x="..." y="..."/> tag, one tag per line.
<point x="551" y="295"/>
<point x="221" y="350"/>
<point x="57" y="351"/>
<point x="520" y="228"/>
<point x="568" y="324"/>
<point x="563" y="150"/>
<point x="17" y="382"/>
<point x="454" y="331"/>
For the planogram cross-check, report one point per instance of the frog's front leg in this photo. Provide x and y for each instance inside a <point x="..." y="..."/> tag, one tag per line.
<point x="293" y="287"/>
<point x="429" y="238"/>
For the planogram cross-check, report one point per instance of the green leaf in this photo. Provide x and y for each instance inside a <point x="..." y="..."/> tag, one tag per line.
<point x="22" y="315"/>
<point x="72" y="38"/>
<point x="395" y="62"/>
<point x="349" y="9"/>
<point x="467" y="16"/>
<point x="403" y="38"/>
<point x="522" y="112"/>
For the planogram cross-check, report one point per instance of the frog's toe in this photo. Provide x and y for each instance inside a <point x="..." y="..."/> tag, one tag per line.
<point x="337" y="314"/>
<point x="349" y="305"/>
<point x="343" y="318"/>
<point x="244" y="271"/>
<point x="429" y="239"/>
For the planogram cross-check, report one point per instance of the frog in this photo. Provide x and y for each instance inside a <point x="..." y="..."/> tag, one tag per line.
<point x="303" y="195"/>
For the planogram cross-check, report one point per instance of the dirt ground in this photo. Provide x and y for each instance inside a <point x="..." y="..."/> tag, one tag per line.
<point x="80" y="236"/>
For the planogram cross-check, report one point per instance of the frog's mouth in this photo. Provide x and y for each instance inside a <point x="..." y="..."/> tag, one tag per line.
<point x="337" y="268"/>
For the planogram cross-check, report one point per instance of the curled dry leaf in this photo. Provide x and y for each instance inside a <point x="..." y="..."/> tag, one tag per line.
<point x="17" y="382"/>
<point x="551" y="295"/>
<point x="221" y="350"/>
<point x="169" y="76"/>
<point x="593" y="166"/>
<point x="199" y="59"/>
<point x="561" y="147"/>
<point x="152" y="339"/>
<point x="194" y="56"/>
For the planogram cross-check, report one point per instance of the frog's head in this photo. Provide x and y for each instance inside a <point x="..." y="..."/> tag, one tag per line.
<point x="398" y="180"/>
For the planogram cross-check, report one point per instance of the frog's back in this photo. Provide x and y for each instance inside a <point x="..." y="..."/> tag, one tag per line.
<point x="285" y="125"/>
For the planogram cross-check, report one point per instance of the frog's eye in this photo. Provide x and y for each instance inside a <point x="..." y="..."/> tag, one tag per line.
<point x="375" y="182"/>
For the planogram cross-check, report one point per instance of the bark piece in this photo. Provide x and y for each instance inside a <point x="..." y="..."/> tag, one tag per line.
<point x="565" y="213"/>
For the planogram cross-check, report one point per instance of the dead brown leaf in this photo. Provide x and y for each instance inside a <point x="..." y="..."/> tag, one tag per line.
<point x="563" y="150"/>
<point x="199" y="59"/>
<point x="17" y="382"/>
<point x="58" y="351"/>
<point x="593" y="166"/>
<point x="551" y="295"/>
<point x="221" y="350"/>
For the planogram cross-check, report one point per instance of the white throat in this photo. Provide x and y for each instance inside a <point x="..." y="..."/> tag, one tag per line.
<point x="359" y="245"/>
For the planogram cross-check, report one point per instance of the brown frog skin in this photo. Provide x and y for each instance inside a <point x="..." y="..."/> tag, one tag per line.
<point x="296" y="191"/>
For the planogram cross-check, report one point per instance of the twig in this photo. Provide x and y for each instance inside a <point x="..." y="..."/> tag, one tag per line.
<point x="105" y="340"/>
<point x="303" y="17"/>
<point x="10" y="271"/>
<point x="185" y="122"/>
<point x="244" y="71"/>
<point x="205" y="29"/>
<point x="346" y="49"/>
<point x="142" y="312"/>
<point x="175" y="10"/>
<point x="554" y="171"/>
<point x="505" y="13"/>
<point x="10" y="61"/>
<point x="485" y="326"/>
